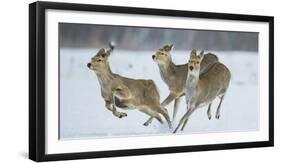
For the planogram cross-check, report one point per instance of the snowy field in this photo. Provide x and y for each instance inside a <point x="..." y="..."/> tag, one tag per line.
<point x="83" y="114"/>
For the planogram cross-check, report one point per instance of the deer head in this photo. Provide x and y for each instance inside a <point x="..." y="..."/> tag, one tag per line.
<point x="195" y="61"/>
<point x="163" y="55"/>
<point x="99" y="62"/>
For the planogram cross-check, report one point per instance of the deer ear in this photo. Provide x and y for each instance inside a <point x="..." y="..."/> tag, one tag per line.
<point x="201" y="55"/>
<point x="193" y="53"/>
<point x="171" y="46"/>
<point x="108" y="52"/>
<point x="168" y="47"/>
<point x="102" y="50"/>
<point x="103" y="53"/>
<point x="111" y="48"/>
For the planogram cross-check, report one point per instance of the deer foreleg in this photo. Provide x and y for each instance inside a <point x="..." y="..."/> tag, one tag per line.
<point x="183" y="120"/>
<point x="169" y="99"/>
<point x="114" y="111"/>
<point x="176" y="107"/>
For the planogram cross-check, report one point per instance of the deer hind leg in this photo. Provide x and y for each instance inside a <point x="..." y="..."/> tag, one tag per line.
<point x="176" y="107"/>
<point x="114" y="111"/>
<point x="148" y="121"/>
<point x="184" y="120"/>
<point x="152" y="114"/>
<point x="209" y="111"/>
<point x="151" y="118"/>
<point x="219" y="108"/>
<point x="158" y="117"/>
<point x="163" y="111"/>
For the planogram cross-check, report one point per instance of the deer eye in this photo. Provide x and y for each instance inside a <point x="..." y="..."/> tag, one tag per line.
<point x="118" y="89"/>
<point x="99" y="60"/>
<point x="197" y="62"/>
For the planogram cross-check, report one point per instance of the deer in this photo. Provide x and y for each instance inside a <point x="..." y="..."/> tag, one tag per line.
<point x="175" y="75"/>
<point x="203" y="88"/>
<point x="126" y="93"/>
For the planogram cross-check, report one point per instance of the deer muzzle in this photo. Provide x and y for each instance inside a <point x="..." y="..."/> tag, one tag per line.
<point x="89" y="65"/>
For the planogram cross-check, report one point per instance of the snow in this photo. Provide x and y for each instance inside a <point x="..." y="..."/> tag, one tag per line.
<point x="83" y="114"/>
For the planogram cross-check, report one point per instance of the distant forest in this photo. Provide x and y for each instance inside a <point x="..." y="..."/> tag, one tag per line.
<point x="140" y="38"/>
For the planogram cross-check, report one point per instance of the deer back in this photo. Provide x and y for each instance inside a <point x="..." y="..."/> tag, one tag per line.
<point x="208" y="60"/>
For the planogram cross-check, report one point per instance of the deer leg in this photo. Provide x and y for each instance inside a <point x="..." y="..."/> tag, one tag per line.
<point x="157" y="116"/>
<point x="176" y="107"/>
<point x="119" y="114"/>
<point x="114" y="111"/>
<point x="209" y="111"/>
<point x="165" y="114"/>
<point x="148" y="121"/>
<point x="184" y="119"/>
<point x="184" y="124"/>
<point x="219" y="108"/>
<point x="152" y="115"/>
<point x="151" y="118"/>
<point x="169" y="99"/>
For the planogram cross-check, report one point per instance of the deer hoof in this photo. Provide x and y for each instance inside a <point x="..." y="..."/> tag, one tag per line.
<point x="121" y="115"/>
<point x="145" y="124"/>
<point x="210" y="118"/>
<point x="218" y="116"/>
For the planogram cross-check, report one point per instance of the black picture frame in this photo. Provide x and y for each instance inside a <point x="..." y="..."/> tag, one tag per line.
<point x="37" y="80"/>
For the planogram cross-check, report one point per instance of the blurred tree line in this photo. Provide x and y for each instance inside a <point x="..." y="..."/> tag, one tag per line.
<point x="143" y="38"/>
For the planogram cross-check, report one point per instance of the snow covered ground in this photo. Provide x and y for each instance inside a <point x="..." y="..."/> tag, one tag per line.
<point x="84" y="116"/>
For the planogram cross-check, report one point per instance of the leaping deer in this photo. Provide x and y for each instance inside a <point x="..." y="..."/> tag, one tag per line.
<point x="124" y="92"/>
<point x="203" y="88"/>
<point x="175" y="75"/>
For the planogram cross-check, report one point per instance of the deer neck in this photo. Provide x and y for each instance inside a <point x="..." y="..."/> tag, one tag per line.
<point x="167" y="69"/>
<point x="192" y="82"/>
<point x="105" y="77"/>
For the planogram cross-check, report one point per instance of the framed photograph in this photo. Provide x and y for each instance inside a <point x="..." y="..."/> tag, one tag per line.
<point x="109" y="81"/>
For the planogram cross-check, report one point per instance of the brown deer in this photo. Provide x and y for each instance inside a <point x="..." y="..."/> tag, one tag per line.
<point x="175" y="75"/>
<point x="203" y="88"/>
<point x="124" y="92"/>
